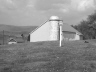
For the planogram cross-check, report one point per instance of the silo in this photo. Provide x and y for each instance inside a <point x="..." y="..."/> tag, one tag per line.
<point x="54" y="29"/>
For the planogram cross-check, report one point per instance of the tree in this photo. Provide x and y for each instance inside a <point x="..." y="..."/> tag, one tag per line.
<point x="23" y="37"/>
<point x="88" y="27"/>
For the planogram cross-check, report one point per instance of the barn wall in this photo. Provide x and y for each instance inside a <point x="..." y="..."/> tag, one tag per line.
<point x="70" y="36"/>
<point x="47" y="32"/>
<point x="41" y="34"/>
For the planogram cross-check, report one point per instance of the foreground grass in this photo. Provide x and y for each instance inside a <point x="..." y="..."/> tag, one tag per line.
<point x="49" y="57"/>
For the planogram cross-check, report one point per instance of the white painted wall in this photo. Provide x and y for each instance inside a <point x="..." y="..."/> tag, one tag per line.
<point x="41" y="34"/>
<point x="76" y="37"/>
<point x="47" y="32"/>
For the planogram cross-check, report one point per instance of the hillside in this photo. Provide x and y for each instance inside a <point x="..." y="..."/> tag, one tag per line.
<point x="12" y="28"/>
<point x="75" y="56"/>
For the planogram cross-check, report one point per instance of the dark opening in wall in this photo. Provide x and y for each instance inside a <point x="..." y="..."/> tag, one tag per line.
<point x="28" y="39"/>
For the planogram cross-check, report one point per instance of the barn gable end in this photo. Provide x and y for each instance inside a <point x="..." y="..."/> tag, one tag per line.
<point x="41" y="33"/>
<point x="50" y="31"/>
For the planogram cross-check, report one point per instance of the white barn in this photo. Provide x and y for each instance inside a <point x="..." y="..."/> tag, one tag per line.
<point x="50" y="31"/>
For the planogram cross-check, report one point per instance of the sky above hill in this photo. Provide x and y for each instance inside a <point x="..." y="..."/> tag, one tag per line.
<point x="36" y="12"/>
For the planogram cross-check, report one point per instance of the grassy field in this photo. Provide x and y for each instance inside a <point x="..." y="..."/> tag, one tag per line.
<point x="74" y="56"/>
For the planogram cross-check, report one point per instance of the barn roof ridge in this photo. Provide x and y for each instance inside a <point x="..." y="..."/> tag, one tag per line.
<point x="67" y="27"/>
<point x="38" y="27"/>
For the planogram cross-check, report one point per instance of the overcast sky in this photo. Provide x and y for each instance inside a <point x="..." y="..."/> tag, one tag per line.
<point x="36" y="12"/>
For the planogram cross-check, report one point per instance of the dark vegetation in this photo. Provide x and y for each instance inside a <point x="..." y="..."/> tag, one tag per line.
<point x="88" y="27"/>
<point x="75" y="56"/>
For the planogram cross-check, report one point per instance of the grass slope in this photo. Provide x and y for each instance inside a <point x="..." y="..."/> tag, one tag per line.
<point x="49" y="57"/>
